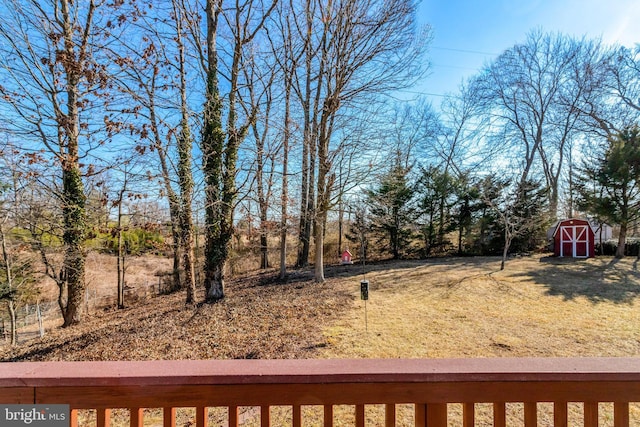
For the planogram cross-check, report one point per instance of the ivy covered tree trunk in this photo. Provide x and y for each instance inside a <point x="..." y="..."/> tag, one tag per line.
<point x="73" y="197"/>
<point x="185" y="176"/>
<point x="213" y="138"/>
<point x="73" y="269"/>
<point x="219" y="146"/>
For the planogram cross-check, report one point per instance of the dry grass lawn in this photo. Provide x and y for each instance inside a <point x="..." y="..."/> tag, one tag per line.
<point x="467" y="307"/>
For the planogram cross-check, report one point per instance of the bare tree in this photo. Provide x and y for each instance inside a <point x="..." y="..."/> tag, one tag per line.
<point x="144" y="80"/>
<point x="534" y="93"/>
<point x="185" y="174"/>
<point x="260" y="78"/>
<point x="52" y="81"/>
<point x="220" y="144"/>
<point x="17" y="272"/>
<point x="287" y="53"/>
<point x="355" y="37"/>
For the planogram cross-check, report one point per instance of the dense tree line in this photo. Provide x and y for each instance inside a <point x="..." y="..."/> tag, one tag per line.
<point x="280" y="110"/>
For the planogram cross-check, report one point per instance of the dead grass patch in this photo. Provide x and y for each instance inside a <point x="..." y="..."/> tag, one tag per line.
<point x="466" y="307"/>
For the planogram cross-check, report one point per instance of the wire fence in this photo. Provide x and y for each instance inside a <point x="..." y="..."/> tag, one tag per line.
<point x="32" y="320"/>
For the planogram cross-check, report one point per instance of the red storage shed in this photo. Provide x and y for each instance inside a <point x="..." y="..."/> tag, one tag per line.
<point x="573" y="238"/>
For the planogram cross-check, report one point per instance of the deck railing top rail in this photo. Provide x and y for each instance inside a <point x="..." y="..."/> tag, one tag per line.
<point x="316" y="371"/>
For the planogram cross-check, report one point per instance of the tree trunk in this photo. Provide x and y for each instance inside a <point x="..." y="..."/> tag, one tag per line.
<point x="40" y="323"/>
<point x="307" y="211"/>
<point x="6" y="260"/>
<point x="505" y="250"/>
<point x="264" y="249"/>
<point x="214" y="284"/>
<point x="212" y="151"/>
<point x="284" y="199"/>
<point x="13" y="322"/>
<point x="73" y="197"/>
<point x="185" y="176"/>
<point x="263" y="207"/>
<point x="120" y="266"/>
<point x="175" y="271"/>
<point x="622" y="240"/>
<point x="307" y="204"/>
<point x="74" y="239"/>
<point x="188" y="255"/>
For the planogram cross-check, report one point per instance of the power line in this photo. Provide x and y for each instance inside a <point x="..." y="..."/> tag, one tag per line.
<point x="476" y="52"/>
<point x="457" y="67"/>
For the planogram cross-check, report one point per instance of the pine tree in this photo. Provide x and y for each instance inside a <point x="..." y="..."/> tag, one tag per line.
<point x="609" y="185"/>
<point x="392" y="211"/>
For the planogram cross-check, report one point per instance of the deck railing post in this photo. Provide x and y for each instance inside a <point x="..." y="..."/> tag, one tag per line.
<point x="390" y="415"/>
<point x="560" y="414"/>
<point x="590" y="414"/>
<point x="621" y="414"/>
<point x="103" y="417"/>
<point x="265" y="416"/>
<point x="530" y="414"/>
<point x="233" y="416"/>
<point x="437" y="415"/>
<point x="499" y="414"/>
<point x="421" y="414"/>
<point x="202" y="416"/>
<point x="359" y="415"/>
<point x="136" y="417"/>
<point x="469" y="415"/>
<point x="328" y="415"/>
<point x="297" y="416"/>
<point x="169" y="417"/>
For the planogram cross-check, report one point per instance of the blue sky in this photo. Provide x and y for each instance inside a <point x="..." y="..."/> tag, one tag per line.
<point x="469" y="33"/>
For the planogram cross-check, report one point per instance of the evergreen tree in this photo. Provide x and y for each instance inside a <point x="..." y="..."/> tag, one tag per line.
<point x="465" y="212"/>
<point x="391" y="210"/>
<point x="609" y="185"/>
<point x="532" y="205"/>
<point x="437" y="196"/>
<point x="490" y="233"/>
<point x="521" y="213"/>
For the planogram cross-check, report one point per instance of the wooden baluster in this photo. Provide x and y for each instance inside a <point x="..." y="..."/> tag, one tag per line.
<point x="469" y="415"/>
<point x="265" y="416"/>
<point x="328" y="415"/>
<point x="621" y="414"/>
<point x="359" y="415"/>
<point x="169" y="417"/>
<point x="297" y="416"/>
<point x="437" y="415"/>
<point x="202" y="416"/>
<point x="590" y="414"/>
<point x="104" y="417"/>
<point x="530" y="414"/>
<point x="390" y="415"/>
<point x="136" y="417"/>
<point x="499" y="414"/>
<point x="560" y="414"/>
<point x="421" y="415"/>
<point x="233" y="416"/>
<point x="73" y="418"/>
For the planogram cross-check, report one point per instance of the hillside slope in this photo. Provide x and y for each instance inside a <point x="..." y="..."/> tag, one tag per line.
<point x="450" y="307"/>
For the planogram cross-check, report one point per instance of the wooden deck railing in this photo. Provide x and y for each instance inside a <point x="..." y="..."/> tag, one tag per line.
<point x="430" y="386"/>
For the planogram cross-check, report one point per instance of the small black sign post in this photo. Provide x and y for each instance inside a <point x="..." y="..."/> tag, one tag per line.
<point x="364" y="295"/>
<point x="364" y="290"/>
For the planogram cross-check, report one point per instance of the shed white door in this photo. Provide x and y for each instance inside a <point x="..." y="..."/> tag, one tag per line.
<point x="574" y="241"/>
